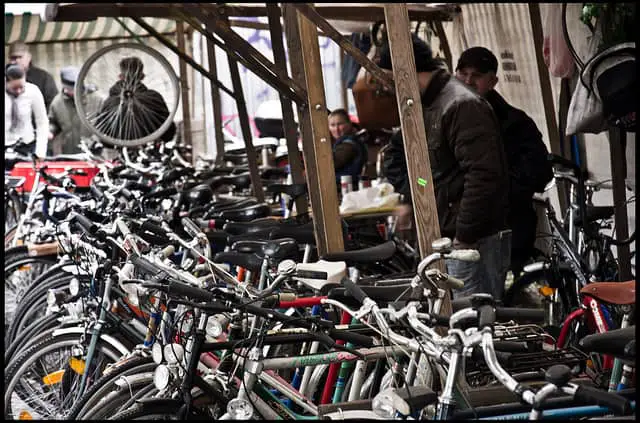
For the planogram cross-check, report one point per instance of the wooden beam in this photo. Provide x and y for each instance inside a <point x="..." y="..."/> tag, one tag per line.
<point x="343" y="85"/>
<point x="545" y="86"/>
<point x="241" y="23"/>
<point x="326" y="221"/>
<point x="617" y="143"/>
<point x="355" y="12"/>
<point x="256" y="183"/>
<point x="413" y="130"/>
<point x="182" y="55"/>
<point x="216" y="104"/>
<point x="254" y="60"/>
<point x="294" y="46"/>
<point x="444" y="44"/>
<point x="311" y="14"/>
<point x="288" y="121"/>
<point x="184" y="89"/>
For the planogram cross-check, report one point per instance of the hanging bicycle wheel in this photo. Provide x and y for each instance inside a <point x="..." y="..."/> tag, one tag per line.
<point x="127" y="95"/>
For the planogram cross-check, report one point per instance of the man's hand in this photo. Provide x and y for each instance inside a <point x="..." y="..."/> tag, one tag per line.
<point x="459" y="245"/>
<point x="51" y="136"/>
<point x="404" y="213"/>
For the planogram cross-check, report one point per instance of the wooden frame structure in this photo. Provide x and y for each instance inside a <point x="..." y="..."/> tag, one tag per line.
<point x="305" y="87"/>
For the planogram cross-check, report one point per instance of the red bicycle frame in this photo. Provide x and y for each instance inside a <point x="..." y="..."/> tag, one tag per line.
<point x="596" y="322"/>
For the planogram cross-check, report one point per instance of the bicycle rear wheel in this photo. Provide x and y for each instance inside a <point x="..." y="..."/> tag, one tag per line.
<point x="139" y="107"/>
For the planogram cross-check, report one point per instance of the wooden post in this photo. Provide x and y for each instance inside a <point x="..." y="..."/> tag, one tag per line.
<point x="304" y="54"/>
<point x="294" y="46"/>
<point x="184" y="90"/>
<point x="545" y="86"/>
<point x="444" y="44"/>
<point x="343" y="85"/>
<point x="413" y="129"/>
<point x="256" y="183"/>
<point x="216" y="104"/>
<point x="288" y="121"/>
<point x="617" y="141"/>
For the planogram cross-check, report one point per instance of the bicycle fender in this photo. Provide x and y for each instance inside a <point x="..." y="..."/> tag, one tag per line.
<point x="534" y="267"/>
<point x="107" y="338"/>
<point x="163" y="401"/>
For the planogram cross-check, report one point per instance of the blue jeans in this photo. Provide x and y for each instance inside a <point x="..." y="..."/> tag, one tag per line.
<point x="487" y="275"/>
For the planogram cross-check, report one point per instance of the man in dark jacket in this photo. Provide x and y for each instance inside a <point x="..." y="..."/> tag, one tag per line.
<point x="526" y="152"/>
<point x="132" y="110"/>
<point x="469" y="172"/>
<point x="19" y="54"/>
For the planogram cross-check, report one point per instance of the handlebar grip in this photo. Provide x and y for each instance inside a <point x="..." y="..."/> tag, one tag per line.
<point x="517" y="313"/>
<point x="153" y="228"/>
<point x="179" y="288"/>
<point x="96" y="192"/>
<point x="145" y="265"/>
<point x="137" y="186"/>
<point x="174" y="174"/>
<point x="354" y="338"/>
<point x="555" y="159"/>
<point x="85" y="223"/>
<point x="162" y="193"/>
<point x="504" y="358"/>
<point x="354" y="290"/>
<point x="128" y="176"/>
<point x="616" y="403"/>
<point x="486" y="316"/>
<point x="464" y="255"/>
<point x="128" y="195"/>
<point x="440" y="320"/>
<point x="116" y="170"/>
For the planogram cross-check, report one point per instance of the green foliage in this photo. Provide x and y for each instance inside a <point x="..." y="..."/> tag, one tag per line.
<point x="617" y="20"/>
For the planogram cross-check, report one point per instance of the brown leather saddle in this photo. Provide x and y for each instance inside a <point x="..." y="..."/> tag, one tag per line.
<point x="619" y="293"/>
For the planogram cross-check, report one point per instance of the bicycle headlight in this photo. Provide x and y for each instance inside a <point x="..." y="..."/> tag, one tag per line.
<point x="214" y="328"/>
<point x="51" y="297"/>
<point x="156" y="352"/>
<point x="173" y="353"/>
<point x="161" y="377"/>
<point x="74" y="286"/>
<point x="240" y="409"/>
<point x="387" y="404"/>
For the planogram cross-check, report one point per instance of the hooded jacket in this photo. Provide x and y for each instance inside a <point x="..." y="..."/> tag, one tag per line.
<point x="467" y="160"/>
<point x="68" y="129"/>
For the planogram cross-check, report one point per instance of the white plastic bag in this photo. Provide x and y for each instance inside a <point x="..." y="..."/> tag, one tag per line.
<point x="554" y="48"/>
<point x="381" y="196"/>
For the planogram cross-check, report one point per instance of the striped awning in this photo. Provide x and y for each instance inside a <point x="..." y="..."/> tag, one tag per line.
<point x="32" y="29"/>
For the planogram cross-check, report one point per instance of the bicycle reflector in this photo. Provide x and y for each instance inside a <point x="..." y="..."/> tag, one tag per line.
<point x="546" y="291"/>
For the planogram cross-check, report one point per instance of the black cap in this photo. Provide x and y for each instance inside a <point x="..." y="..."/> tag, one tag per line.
<point x="69" y="75"/>
<point x="479" y="58"/>
<point x="422" y="52"/>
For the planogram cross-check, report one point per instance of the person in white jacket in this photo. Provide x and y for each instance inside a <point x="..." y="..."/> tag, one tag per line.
<point x="22" y="100"/>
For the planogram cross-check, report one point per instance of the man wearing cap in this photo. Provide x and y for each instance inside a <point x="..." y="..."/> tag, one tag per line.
<point x="525" y="150"/>
<point x="19" y="54"/>
<point x="65" y="127"/>
<point x="469" y="171"/>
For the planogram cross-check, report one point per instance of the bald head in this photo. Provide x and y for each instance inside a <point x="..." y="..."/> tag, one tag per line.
<point x="19" y="54"/>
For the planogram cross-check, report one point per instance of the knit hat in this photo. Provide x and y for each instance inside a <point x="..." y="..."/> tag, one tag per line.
<point x="479" y="58"/>
<point x="422" y="52"/>
<point x="69" y="76"/>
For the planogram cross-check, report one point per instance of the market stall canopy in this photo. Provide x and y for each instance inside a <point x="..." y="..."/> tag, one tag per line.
<point x="344" y="16"/>
<point x="30" y="28"/>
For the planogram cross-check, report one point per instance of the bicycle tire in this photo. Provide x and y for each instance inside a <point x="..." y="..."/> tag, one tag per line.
<point x="160" y="408"/>
<point x="31" y="334"/>
<point x="52" y="344"/>
<point x="93" y="396"/>
<point x="172" y="108"/>
<point x="33" y="306"/>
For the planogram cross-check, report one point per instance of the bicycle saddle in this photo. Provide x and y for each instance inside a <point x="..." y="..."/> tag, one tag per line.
<point x="613" y="342"/>
<point x="247" y="214"/>
<point x="240" y="228"/>
<point x="240" y="181"/>
<point x="292" y="190"/>
<point x="303" y="234"/>
<point x="366" y="255"/>
<point x="273" y="173"/>
<point x="379" y="294"/>
<point x="236" y="158"/>
<point x="250" y="262"/>
<point x="280" y="249"/>
<point x="619" y="293"/>
<point x="595" y="213"/>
